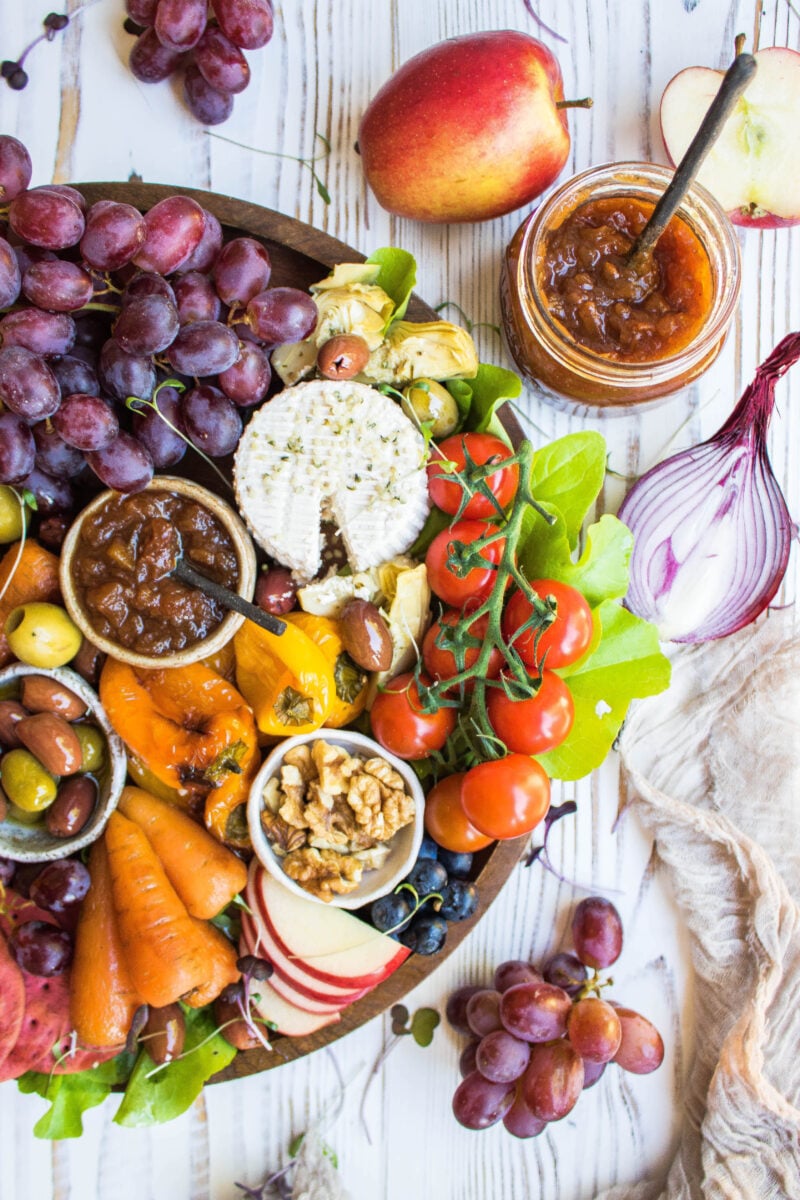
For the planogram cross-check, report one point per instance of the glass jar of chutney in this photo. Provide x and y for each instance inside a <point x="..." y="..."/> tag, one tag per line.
<point x="593" y="329"/>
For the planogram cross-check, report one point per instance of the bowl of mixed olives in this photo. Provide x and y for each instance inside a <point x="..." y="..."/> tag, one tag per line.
<point x="62" y="766"/>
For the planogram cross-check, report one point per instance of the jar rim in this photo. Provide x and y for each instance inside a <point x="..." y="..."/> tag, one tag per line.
<point x="704" y="215"/>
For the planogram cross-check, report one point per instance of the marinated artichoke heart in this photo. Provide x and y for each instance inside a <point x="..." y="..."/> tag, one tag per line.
<point x="412" y="350"/>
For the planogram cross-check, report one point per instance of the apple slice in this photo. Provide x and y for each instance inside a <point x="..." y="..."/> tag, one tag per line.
<point x="287" y="1017"/>
<point x="257" y="940"/>
<point x="329" y="943"/>
<point x="300" y="1001"/>
<point x="753" y="170"/>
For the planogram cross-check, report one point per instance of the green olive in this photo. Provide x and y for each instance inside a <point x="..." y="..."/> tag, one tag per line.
<point x="428" y="401"/>
<point x="42" y="635"/>
<point x="93" y="747"/>
<point x="25" y="781"/>
<point x="13" y="514"/>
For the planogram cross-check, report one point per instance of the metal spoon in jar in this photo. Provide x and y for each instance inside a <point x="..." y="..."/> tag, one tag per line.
<point x="226" y="597"/>
<point x="735" y="80"/>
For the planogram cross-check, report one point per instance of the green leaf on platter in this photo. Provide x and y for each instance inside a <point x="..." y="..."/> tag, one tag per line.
<point x="397" y="276"/>
<point x="423" y="1024"/>
<point x="70" y="1096"/>
<point x="601" y="572"/>
<point x="153" y="1097"/>
<point x="627" y="665"/>
<point x="436" y="521"/>
<point x="567" y="476"/>
<point x="480" y="398"/>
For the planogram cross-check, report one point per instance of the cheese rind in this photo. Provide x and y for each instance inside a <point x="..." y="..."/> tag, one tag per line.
<point x="331" y="451"/>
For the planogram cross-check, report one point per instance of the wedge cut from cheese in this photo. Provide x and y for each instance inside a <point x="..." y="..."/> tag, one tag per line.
<point x="331" y="451"/>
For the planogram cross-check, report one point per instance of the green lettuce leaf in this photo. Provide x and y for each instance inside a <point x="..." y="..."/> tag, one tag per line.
<point x="397" y="276"/>
<point x="70" y="1096"/>
<point x="627" y="664"/>
<point x="567" y="476"/>
<point x="480" y="398"/>
<point x="601" y="572"/>
<point x="151" y="1099"/>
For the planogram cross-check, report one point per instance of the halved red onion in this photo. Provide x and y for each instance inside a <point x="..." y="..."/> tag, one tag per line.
<point x="711" y="530"/>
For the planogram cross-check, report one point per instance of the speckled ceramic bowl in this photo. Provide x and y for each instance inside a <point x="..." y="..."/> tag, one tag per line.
<point x="219" y="636"/>
<point x="33" y="843"/>
<point x="403" y="848"/>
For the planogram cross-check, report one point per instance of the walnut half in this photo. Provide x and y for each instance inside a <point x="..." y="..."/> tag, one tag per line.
<point x="324" y="873"/>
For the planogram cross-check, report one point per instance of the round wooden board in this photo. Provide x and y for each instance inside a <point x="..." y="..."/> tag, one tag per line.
<point x="300" y="256"/>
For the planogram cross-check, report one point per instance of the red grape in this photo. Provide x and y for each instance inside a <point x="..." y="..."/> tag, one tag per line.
<point x="519" y="1119"/>
<point x="478" y="1103"/>
<point x="60" y="885"/>
<point x="196" y="298"/>
<point x="515" y="971"/>
<point x="113" y="235"/>
<point x="466" y="1062"/>
<point x="641" y="1049"/>
<point x="594" y="1029"/>
<point x="46" y="218"/>
<point x="150" y="61"/>
<point x="74" y="375"/>
<point x="483" y="1012"/>
<point x="247" y="380"/>
<point x="242" y="270"/>
<point x="203" y="348"/>
<point x="597" y="932"/>
<point x="143" y="12"/>
<point x="17" y="448"/>
<point x="165" y="446"/>
<point x="57" y="286"/>
<point x="281" y="315"/>
<point x="124" y="464"/>
<point x="179" y="24"/>
<point x="220" y="62"/>
<point x="207" y="103"/>
<point x="205" y="253"/>
<point x="247" y="23"/>
<point x="174" y="229"/>
<point x="40" y="948"/>
<point x="566" y="971"/>
<point x="53" y="454"/>
<point x="10" y="275"/>
<point x="211" y="421"/>
<point x="147" y="283"/>
<point x="15" y="168"/>
<point x="42" y="332"/>
<point x="456" y="1009"/>
<point x="147" y="325"/>
<point x="124" y="375"/>
<point x="535" y="1012"/>
<point x="50" y="494"/>
<point x="501" y="1057"/>
<point x="86" y="422"/>
<point x="592" y="1072"/>
<point x="553" y="1080"/>
<point x="27" y="385"/>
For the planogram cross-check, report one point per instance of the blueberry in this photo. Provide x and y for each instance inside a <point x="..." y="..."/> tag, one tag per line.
<point x="457" y="865"/>
<point x="459" y="900"/>
<point x="426" y="935"/>
<point x="428" y="849"/>
<point x="426" y="876"/>
<point x="391" y="912"/>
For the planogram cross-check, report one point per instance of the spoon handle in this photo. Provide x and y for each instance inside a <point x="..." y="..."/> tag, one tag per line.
<point x="227" y="598"/>
<point x="736" y="79"/>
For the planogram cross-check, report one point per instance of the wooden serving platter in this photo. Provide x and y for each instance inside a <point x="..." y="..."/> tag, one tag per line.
<point x="301" y="255"/>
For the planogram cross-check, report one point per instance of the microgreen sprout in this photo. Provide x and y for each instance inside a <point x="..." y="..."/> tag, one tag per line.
<point x="13" y="71"/>
<point x="26" y="499"/>
<point x="419" y="901"/>
<point x="421" y="1028"/>
<point x="137" y="405"/>
<point x="468" y="324"/>
<point x="322" y="191"/>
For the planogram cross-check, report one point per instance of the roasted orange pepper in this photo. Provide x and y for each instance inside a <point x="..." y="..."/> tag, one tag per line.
<point x="286" y="679"/>
<point x="193" y="732"/>
<point x="350" y="682"/>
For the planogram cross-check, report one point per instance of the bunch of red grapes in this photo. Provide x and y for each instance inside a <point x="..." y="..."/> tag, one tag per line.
<point x="538" y="1039"/>
<point x="103" y="304"/>
<point x="177" y="35"/>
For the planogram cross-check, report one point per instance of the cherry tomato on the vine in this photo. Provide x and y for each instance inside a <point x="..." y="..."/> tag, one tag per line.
<point x="537" y="724"/>
<point x="565" y="641"/>
<point x="507" y="797"/>
<point x="441" y="663"/>
<point x="478" y="582"/>
<point x="401" y="727"/>
<point x="446" y="821"/>
<point x="447" y="494"/>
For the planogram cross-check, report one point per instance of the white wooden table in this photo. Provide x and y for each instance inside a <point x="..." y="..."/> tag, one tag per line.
<point x="84" y="117"/>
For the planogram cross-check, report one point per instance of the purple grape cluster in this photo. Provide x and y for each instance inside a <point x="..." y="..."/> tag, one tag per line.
<point x="540" y="1038"/>
<point x="45" y="947"/>
<point x="105" y="303"/>
<point x="176" y="35"/>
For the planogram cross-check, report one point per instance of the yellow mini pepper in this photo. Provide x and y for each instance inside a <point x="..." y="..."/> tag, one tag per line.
<point x="286" y="679"/>
<point x="350" y="682"/>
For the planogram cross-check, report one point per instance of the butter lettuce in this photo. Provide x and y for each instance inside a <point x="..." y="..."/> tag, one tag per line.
<point x="69" y="1096"/>
<point x="397" y="276"/>
<point x="480" y="398"/>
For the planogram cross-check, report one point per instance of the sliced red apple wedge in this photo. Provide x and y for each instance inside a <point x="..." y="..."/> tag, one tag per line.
<point x="287" y="1017"/>
<point x="329" y="944"/>
<point x="284" y="989"/>
<point x="753" y="170"/>
<point x="257" y="940"/>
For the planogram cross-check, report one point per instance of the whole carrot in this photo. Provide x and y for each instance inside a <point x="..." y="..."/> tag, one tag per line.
<point x="220" y="957"/>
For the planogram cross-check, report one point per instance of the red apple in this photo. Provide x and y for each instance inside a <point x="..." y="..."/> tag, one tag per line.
<point x="467" y="130"/>
<point x="754" y="168"/>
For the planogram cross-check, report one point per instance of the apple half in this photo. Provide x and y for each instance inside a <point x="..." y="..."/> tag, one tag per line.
<point x="257" y="940"/>
<point x="753" y="170"/>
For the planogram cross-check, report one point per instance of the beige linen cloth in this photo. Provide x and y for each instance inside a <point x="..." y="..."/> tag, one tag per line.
<point x="712" y="768"/>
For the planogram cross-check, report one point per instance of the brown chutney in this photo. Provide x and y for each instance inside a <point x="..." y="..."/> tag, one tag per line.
<point x="630" y="312"/>
<point x="121" y="564"/>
